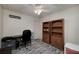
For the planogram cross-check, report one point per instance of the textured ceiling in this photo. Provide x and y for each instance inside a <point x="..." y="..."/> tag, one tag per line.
<point x="29" y="8"/>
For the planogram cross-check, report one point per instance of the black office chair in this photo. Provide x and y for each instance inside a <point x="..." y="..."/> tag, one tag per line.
<point x="26" y="37"/>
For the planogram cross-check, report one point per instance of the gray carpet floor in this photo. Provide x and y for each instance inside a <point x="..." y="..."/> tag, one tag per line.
<point x="37" y="47"/>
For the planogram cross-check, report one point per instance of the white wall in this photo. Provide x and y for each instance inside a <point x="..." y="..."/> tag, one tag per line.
<point x="71" y="23"/>
<point x="0" y="24"/>
<point x="16" y="26"/>
<point x="37" y="28"/>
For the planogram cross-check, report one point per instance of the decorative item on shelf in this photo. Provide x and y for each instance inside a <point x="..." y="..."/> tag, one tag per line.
<point x="47" y="30"/>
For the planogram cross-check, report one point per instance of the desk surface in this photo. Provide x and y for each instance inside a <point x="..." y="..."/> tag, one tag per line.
<point x="17" y="36"/>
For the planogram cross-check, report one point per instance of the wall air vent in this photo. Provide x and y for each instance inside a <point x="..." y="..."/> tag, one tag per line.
<point x="13" y="16"/>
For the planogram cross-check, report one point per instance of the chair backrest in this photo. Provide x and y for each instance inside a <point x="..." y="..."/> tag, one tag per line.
<point x="26" y="34"/>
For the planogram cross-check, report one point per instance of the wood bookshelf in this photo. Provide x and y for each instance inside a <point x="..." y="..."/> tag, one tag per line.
<point x="57" y="36"/>
<point x="46" y="32"/>
<point x="53" y="33"/>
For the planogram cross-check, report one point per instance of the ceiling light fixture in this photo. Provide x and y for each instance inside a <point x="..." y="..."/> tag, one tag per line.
<point x="38" y="9"/>
<point x="38" y="12"/>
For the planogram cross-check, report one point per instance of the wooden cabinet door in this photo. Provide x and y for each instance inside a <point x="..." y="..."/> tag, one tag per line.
<point x="53" y="41"/>
<point x="60" y="44"/>
<point x="46" y="37"/>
